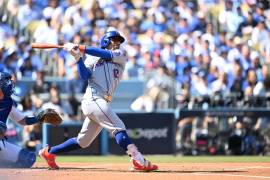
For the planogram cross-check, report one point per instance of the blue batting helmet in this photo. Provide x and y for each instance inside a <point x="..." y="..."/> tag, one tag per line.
<point x="106" y="39"/>
<point x="6" y="84"/>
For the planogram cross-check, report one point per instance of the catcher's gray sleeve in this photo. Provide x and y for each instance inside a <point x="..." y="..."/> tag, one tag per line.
<point x="16" y="115"/>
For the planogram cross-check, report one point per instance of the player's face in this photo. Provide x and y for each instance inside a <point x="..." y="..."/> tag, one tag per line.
<point x="115" y="44"/>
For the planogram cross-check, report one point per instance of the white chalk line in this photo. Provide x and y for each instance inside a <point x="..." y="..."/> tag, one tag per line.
<point x="246" y="168"/>
<point x="232" y="175"/>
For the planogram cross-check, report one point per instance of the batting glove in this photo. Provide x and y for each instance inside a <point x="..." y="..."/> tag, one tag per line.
<point x="69" y="46"/>
<point x="73" y="49"/>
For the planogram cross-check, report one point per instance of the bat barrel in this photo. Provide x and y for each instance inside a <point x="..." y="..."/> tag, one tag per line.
<point x="50" y="46"/>
<point x="45" y="45"/>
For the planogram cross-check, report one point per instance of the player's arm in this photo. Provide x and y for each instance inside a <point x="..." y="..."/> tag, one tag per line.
<point x="93" y="51"/>
<point x="73" y="49"/>
<point x="102" y="53"/>
<point x="116" y="56"/>
<point x="19" y="117"/>
<point x="49" y="116"/>
<point x="84" y="72"/>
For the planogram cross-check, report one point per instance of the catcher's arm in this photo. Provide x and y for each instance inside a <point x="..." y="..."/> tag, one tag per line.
<point x="19" y="117"/>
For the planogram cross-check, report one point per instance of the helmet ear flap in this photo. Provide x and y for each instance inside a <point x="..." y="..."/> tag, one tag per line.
<point x="106" y="42"/>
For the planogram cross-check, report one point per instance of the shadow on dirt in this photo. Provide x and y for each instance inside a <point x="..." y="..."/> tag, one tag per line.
<point x="200" y="171"/>
<point x="72" y="168"/>
<point x="93" y="169"/>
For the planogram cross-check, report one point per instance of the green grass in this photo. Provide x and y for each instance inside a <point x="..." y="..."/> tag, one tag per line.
<point x="164" y="159"/>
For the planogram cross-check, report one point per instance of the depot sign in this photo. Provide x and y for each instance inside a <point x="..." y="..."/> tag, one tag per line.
<point x="153" y="133"/>
<point x="148" y="133"/>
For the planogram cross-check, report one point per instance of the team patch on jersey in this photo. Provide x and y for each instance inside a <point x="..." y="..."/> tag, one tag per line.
<point x="116" y="53"/>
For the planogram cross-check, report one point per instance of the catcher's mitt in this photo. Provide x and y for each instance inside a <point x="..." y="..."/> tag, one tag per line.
<point x="49" y="116"/>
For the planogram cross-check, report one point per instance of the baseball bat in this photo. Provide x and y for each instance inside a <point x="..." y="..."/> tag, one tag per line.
<point x="51" y="46"/>
<point x="45" y="46"/>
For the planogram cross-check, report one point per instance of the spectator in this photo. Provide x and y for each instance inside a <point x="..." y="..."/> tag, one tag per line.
<point x="40" y="86"/>
<point x="237" y="91"/>
<point x="133" y="69"/>
<point x="156" y="96"/>
<point x="25" y="52"/>
<point x="199" y="83"/>
<point x="11" y="60"/>
<point x="75" y="108"/>
<point x="56" y="103"/>
<point x="259" y="34"/>
<point x="220" y="84"/>
<point x="28" y="69"/>
<point x="256" y="64"/>
<point x="27" y="13"/>
<point x="229" y="19"/>
<point x="45" y="32"/>
<point x="247" y="25"/>
<point x="235" y="52"/>
<point x="262" y="88"/>
<point x="250" y="82"/>
<point x="32" y="133"/>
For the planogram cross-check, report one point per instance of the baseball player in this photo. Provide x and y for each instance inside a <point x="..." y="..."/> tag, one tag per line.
<point x="13" y="156"/>
<point x="103" y="70"/>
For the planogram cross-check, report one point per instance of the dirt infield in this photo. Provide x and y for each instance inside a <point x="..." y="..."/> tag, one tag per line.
<point x="121" y="171"/>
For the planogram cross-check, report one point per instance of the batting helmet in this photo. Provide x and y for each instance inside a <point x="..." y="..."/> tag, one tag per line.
<point x="106" y="39"/>
<point x="6" y="84"/>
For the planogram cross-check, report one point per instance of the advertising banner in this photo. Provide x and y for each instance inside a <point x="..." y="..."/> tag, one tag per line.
<point x="153" y="133"/>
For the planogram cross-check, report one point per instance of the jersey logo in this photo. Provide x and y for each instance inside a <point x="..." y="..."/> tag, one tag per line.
<point x="116" y="73"/>
<point x="116" y="53"/>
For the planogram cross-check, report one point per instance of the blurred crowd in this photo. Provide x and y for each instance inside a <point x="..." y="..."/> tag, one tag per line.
<point x="191" y="53"/>
<point x="208" y="47"/>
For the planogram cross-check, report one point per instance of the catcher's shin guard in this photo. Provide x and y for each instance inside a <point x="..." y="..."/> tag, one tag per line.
<point x="13" y="156"/>
<point x="50" y="158"/>
<point x="26" y="159"/>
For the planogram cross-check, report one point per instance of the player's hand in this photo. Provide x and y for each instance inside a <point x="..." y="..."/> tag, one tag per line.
<point x="69" y="46"/>
<point x="73" y="49"/>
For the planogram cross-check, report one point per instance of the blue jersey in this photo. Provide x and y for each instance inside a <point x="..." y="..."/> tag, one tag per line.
<point x="5" y="108"/>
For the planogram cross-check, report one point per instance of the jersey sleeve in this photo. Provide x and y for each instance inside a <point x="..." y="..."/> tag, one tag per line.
<point x="83" y="71"/>
<point x="119" y="57"/>
<point x="16" y="115"/>
<point x="90" y="60"/>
